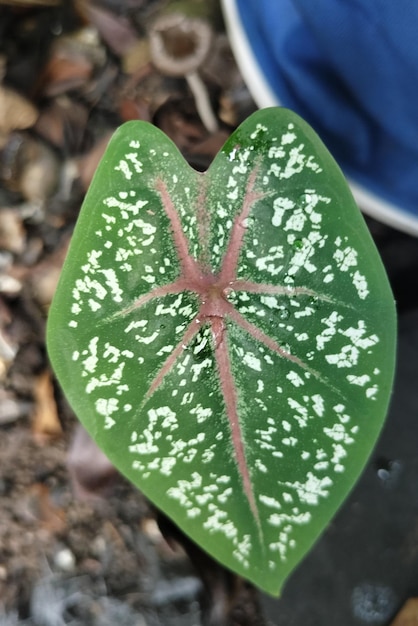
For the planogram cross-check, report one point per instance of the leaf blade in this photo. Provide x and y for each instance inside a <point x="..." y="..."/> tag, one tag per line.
<point x="225" y="366"/>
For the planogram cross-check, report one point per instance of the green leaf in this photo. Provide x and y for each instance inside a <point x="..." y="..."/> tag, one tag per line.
<point x="228" y="338"/>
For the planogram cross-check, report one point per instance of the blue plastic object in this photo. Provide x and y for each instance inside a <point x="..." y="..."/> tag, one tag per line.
<point x="350" y="69"/>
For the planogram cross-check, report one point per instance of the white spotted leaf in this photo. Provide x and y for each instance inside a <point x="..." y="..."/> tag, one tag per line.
<point x="228" y="338"/>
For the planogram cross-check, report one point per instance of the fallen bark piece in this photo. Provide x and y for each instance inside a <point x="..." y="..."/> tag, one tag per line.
<point x="16" y="113"/>
<point x="45" y="424"/>
<point x="12" y="233"/>
<point x="408" y="615"/>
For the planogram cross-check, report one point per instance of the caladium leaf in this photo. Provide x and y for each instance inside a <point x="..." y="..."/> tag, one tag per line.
<point x="228" y="338"/>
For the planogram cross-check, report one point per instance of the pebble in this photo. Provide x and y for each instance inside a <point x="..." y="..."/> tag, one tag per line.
<point x="65" y="560"/>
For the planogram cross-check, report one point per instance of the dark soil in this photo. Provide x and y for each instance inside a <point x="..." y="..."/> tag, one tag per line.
<point x="100" y="554"/>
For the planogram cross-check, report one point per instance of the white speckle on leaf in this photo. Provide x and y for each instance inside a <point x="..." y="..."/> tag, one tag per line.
<point x="302" y="258"/>
<point x="347" y="357"/>
<point x="136" y="324"/>
<point x="197" y="368"/>
<point x="113" y="283"/>
<point x="312" y="489"/>
<point x="286" y="522"/>
<point x="269" y="263"/>
<point x="338" y="434"/>
<point x="288" y="138"/>
<point x="357" y="336"/>
<point x="167" y="465"/>
<point x="106" y="407"/>
<point x="301" y="416"/>
<point x="345" y="258"/>
<point x="358" y="380"/>
<point x="252" y="361"/>
<point x="360" y="283"/>
<point x="280" y="206"/>
<point x="147" y="340"/>
<point x="259" y="130"/>
<point x="371" y="392"/>
<point x="133" y="158"/>
<point x="104" y="380"/>
<point x="260" y="466"/>
<point x="338" y="454"/>
<point x="343" y="417"/>
<point x="330" y="330"/>
<point x="295" y="379"/>
<point x="233" y="195"/>
<point x="296" y="221"/>
<point x="90" y="363"/>
<point x="276" y="152"/>
<point x="270" y="502"/>
<point x="123" y="167"/>
<point x="290" y="441"/>
<point x="318" y="404"/>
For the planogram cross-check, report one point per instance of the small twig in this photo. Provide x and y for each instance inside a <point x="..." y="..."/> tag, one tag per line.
<point x="202" y="100"/>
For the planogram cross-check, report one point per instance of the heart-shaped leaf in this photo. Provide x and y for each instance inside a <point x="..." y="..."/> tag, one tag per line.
<point x="228" y="338"/>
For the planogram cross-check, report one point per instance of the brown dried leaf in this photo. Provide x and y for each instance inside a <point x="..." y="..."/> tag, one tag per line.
<point x="134" y="109"/>
<point x="63" y="123"/>
<point x="408" y="615"/>
<point x="87" y="164"/>
<point x="92" y="474"/>
<point x="64" y="74"/>
<point x="50" y="516"/>
<point x="136" y="57"/>
<point x="116" y="31"/>
<point x="73" y="59"/>
<point x="45" y="422"/>
<point x="211" y="145"/>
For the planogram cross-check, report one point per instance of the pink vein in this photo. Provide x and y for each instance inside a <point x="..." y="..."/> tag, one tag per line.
<point x="189" y="267"/>
<point x="258" y="335"/>
<point x="179" y="285"/>
<point x="229" y="392"/>
<point x="230" y="260"/>
<point x="279" y="290"/>
<point x="203" y="225"/>
<point x="189" y="333"/>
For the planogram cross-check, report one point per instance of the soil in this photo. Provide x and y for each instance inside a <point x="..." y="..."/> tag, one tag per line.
<point x="81" y="552"/>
